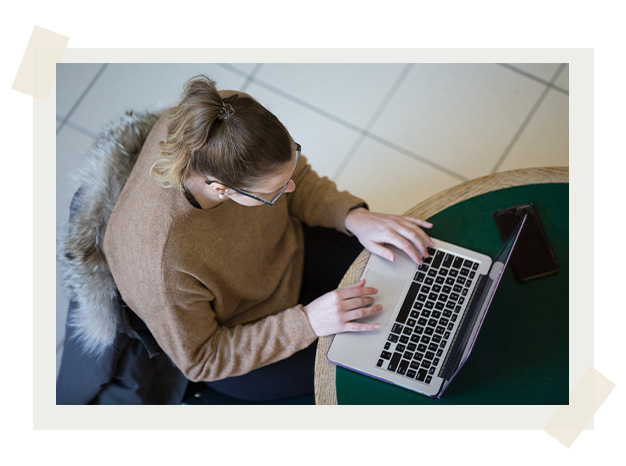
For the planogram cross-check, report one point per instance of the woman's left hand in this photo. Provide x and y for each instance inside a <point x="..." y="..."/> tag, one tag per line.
<point x="373" y="230"/>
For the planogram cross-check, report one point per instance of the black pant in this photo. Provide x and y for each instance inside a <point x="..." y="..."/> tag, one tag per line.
<point x="327" y="256"/>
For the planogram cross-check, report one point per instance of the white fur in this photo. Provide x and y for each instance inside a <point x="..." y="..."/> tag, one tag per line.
<point x="86" y="275"/>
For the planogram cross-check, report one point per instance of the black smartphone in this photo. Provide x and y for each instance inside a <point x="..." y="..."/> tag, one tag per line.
<point x="533" y="256"/>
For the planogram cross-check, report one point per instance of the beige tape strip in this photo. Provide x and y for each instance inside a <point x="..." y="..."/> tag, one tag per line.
<point x="584" y="400"/>
<point x="36" y="78"/>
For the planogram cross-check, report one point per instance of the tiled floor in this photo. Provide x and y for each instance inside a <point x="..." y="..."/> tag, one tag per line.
<point x="393" y="134"/>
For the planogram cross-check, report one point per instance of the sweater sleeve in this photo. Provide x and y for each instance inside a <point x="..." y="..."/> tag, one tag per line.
<point x="317" y="201"/>
<point x="188" y="331"/>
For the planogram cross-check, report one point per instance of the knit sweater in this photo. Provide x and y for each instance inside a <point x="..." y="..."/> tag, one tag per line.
<point x="217" y="288"/>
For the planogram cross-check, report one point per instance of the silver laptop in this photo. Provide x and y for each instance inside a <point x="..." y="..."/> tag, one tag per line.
<point x="431" y="316"/>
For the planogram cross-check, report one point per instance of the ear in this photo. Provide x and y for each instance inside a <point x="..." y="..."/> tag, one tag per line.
<point x="217" y="187"/>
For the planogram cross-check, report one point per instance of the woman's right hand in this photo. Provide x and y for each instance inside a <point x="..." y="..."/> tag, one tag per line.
<point x="335" y="311"/>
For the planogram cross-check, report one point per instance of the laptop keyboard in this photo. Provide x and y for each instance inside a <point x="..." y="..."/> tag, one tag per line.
<point x="427" y="318"/>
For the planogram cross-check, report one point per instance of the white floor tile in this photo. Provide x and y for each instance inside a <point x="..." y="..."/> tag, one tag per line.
<point x="323" y="141"/>
<point x="141" y="87"/>
<point x="71" y="81"/>
<point x="390" y="181"/>
<point x="71" y="148"/>
<point x="543" y="71"/>
<point x="351" y="92"/>
<point x="545" y="141"/>
<point x="460" y="116"/>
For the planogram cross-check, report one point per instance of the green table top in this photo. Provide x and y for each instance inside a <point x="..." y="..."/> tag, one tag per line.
<point x="522" y="352"/>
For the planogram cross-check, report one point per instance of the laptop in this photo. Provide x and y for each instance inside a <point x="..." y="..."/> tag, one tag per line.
<point x="432" y="314"/>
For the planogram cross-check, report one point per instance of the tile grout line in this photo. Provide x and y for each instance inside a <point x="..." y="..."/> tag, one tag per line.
<point x="392" y="90"/>
<point x="526" y="121"/>
<point x="82" y="96"/>
<point x="354" y="127"/>
<point x="250" y="77"/>
<point x="535" y="78"/>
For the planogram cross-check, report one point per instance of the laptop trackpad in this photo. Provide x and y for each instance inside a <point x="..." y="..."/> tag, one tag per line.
<point x="389" y="291"/>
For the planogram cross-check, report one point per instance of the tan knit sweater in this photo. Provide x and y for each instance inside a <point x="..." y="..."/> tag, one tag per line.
<point x="217" y="288"/>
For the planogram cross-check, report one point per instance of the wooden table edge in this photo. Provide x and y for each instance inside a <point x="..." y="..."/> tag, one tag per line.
<point x="325" y="372"/>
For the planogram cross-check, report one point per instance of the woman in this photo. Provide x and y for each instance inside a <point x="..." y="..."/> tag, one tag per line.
<point x="207" y="246"/>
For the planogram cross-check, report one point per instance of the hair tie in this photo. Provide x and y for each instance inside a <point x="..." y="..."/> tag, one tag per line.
<point x="226" y="111"/>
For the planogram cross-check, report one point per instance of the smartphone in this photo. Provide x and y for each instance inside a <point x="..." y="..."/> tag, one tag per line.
<point x="533" y="256"/>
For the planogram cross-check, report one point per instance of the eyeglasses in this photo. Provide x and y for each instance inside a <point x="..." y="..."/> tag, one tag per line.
<point x="260" y="199"/>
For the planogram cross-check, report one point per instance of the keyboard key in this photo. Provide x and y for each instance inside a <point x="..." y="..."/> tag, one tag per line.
<point x="432" y="273"/>
<point x="439" y="352"/>
<point x="415" y="338"/>
<point x="436" y="338"/>
<point x="429" y="304"/>
<point x="460" y="280"/>
<point x="411" y="373"/>
<point x="436" y="314"/>
<point x="443" y="272"/>
<point x="404" y="339"/>
<point x="419" y="277"/>
<point x="392" y="338"/>
<point x="450" y="326"/>
<point x="446" y="335"/>
<point x="408" y="302"/>
<point x="447" y="261"/>
<point x="428" y="379"/>
<point x="404" y="365"/>
<point x="407" y="330"/>
<point x="433" y="347"/>
<point x="396" y="328"/>
<point x="443" y="298"/>
<point x="411" y="347"/>
<point x="421" y="348"/>
<point x="443" y="343"/>
<point x="453" y="273"/>
<point x="422" y="321"/>
<point x="472" y="274"/>
<point x="425" y="290"/>
<point x="414" y="314"/>
<point x="426" y="363"/>
<point x="418" y="356"/>
<point x="439" y="280"/>
<point x="429" y="355"/>
<point x="425" y="339"/>
<point x="431" y="251"/>
<point x="432" y="322"/>
<point x="429" y="330"/>
<point x="454" y="296"/>
<point x="421" y="297"/>
<point x="437" y="288"/>
<point x="447" y="313"/>
<point x="450" y="304"/>
<point x="440" y="330"/>
<point x="429" y="280"/>
<point x="410" y="323"/>
<point x="385" y="355"/>
<point x="432" y="297"/>
<point x="450" y="281"/>
<point x="417" y="330"/>
<point x="439" y="305"/>
<point x="468" y="263"/>
<point x="426" y="313"/>
<point x="408" y="355"/>
<point x="464" y="292"/>
<point x="387" y="345"/>
<point x="475" y="266"/>
<point x="421" y="375"/>
<point x="400" y="348"/>
<point x="436" y="361"/>
<point x="438" y="259"/>
<point x="443" y="321"/>
<point x="423" y="268"/>
<point x="458" y="262"/>
<point x="464" y="272"/>
<point x="379" y="363"/>
<point x="395" y="360"/>
<point x="414" y="365"/>
<point x="447" y="289"/>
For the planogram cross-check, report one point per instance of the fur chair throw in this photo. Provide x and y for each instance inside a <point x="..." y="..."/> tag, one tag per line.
<point x="86" y="277"/>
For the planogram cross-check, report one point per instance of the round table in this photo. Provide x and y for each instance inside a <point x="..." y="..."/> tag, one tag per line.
<point x="325" y="373"/>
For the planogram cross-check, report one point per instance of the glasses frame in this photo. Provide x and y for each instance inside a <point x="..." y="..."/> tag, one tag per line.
<point x="257" y="198"/>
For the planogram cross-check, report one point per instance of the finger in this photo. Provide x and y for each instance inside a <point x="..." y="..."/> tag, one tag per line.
<point x="359" y="283"/>
<point x="380" y="250"/>
<point x="356" y="303"/>
<point x="403" y="244"/>
<point x="362" y="312"/>
<point x="355" y="292"/>
<point x="359" y="327"/>
<point x="420" y="222"/>
<point x="418" y="238"/>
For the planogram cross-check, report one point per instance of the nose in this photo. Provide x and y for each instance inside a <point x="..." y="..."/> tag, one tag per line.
<point x="291" y="186"/>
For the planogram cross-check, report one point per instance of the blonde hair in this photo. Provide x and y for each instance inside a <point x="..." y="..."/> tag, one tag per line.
<point x="234" y="140"/>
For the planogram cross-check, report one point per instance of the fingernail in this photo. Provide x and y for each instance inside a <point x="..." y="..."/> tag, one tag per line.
<point x="380" y="306"/>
